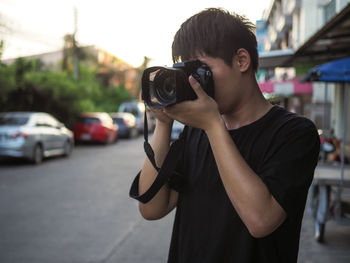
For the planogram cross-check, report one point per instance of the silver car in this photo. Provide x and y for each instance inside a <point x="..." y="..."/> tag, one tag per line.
<point x="34" y="136"/>
<point x="138" y="110"/>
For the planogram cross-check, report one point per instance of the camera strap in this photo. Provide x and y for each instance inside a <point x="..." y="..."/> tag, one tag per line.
<point x="164" y="173"/>
<point x="147" y="147"/>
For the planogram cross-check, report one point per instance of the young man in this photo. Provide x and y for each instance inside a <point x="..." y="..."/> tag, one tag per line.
<point x="247" y="164"/>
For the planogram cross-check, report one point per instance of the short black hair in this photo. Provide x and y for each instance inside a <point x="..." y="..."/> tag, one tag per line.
<point x="217" y="33"/>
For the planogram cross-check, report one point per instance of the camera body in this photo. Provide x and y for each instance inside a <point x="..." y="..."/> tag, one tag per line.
<point x="165" y="86"/>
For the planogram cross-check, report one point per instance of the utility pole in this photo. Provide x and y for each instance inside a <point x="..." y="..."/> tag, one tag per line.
<point x="75" y="48"/>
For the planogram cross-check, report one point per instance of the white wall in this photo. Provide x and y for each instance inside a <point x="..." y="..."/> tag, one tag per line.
<point x="318" y="94"/>
<point x="310" y="19"/>
<point x="340" y="4"/>
<point x="296" y="30"/>
<point x="338" y="112"/>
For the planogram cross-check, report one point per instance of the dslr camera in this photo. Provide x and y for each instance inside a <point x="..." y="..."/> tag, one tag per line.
<point x="164" y="86"/>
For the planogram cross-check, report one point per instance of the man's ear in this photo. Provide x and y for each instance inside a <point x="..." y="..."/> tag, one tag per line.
<point x="242" y="59"/>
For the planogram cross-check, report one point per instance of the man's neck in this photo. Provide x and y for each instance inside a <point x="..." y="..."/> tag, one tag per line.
<point x="252" y="107"/>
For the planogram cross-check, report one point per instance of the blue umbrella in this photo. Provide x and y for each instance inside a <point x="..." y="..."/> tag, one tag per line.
<point x="334" y="71"/>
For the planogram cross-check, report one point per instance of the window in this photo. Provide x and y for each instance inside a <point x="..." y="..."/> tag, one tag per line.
<point x="88" y="120"/>
<point x="328" y="11"/>
<point x="13" y="120"/>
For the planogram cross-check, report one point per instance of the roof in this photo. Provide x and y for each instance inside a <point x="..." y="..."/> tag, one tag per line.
<point x="121" y="114"/>
<point x="331" y="42"/>
<point x="94" y="114"/>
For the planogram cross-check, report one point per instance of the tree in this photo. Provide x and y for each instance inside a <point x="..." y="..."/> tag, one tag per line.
<point x="1" y="48"/>
<point x="28" y="86"/>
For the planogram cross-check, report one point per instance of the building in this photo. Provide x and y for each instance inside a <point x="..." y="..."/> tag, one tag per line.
<point x="301" y="34"/>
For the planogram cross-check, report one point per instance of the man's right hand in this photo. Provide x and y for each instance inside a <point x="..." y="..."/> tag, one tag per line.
<point x="161" y="116"/>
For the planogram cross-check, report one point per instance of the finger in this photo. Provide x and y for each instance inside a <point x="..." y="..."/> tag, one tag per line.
<point x="175" y="110"/>
<point x="196" y="87"/>
<point x="150" y="109"/>
<point x="170" y="109"/>
<point x="168" y="113"/>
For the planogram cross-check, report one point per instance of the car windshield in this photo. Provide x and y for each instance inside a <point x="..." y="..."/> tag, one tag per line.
<point x="13" y="120"/>
<point x="88" y="120"/>
<point x="118" y="120"/>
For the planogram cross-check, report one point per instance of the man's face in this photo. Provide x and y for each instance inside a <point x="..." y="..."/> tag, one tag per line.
<point x="226" y="82"/>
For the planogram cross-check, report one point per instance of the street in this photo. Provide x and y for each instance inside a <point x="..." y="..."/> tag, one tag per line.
<point x="77" y="210"/>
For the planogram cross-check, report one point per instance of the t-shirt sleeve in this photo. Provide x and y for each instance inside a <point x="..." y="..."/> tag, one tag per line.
<point x="289" y="171"/>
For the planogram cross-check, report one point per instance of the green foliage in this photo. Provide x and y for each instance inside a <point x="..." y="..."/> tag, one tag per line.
<point x="27" y="86"/>
<point x="7" y="82"/>
<point x="302" y="68"/>
<point x="1" y="48"/>
<point x="114" y="96"/>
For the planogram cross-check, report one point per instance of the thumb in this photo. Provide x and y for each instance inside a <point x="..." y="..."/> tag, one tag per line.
<point x="196" y="87"/>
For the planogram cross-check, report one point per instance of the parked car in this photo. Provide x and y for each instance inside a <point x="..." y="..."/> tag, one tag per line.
<point x="95" y="127"/>
<point x="34" y="136"/>
<point x="126" y="123"/>
<point x="137" y="108"/>
<point x="176" y="130"/>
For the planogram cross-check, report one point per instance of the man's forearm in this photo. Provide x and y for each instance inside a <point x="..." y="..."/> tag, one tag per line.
<point x="159" y="205"/>
<point x="249" y="195"/>
<point x="160" y="143"/>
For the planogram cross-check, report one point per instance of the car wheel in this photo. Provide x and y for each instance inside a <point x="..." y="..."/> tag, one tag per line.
<point x="133" y="133"/>
<point x="37" y="154"/>
<point x="107" y="139"/>
<point x="67" y="148"/>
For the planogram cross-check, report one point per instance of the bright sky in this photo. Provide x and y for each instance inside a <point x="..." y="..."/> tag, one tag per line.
<point x="129" y="29"/>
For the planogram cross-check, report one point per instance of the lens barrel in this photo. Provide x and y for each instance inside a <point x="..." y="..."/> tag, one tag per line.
<point x="165" y="87"/>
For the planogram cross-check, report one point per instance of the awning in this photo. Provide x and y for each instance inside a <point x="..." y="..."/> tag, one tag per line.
<point x="331" y="42"/>
<point x="275" y="58"/>
<point x="286" y="88"/>
<point x="335" y="71"/>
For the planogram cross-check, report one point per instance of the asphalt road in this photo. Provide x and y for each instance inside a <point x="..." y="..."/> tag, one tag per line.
<point x="77" y="210"/>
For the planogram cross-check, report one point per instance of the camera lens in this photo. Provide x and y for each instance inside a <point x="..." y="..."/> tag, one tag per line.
<point x="167" y="92"/>
<point x="165" y="87"/>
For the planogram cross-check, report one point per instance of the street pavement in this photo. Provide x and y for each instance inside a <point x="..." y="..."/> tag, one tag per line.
<point x="77" y="210"/>
<point x="335" y="249"/>
<point x="336" y="245"/>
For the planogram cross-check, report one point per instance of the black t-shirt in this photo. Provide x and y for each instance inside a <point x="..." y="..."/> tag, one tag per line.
<point x="282" y="148"/>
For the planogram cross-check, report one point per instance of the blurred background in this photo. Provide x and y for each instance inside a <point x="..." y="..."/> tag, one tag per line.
<point x="70" y="87"/>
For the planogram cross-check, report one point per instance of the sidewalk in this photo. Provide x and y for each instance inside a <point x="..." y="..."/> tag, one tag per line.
<point x="336" y="248"/>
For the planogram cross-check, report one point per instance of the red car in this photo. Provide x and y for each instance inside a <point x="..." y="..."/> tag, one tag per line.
<point x="95" y="127"/>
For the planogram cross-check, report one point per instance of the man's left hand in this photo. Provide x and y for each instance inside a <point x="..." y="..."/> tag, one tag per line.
<point x="200" y="113"/>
